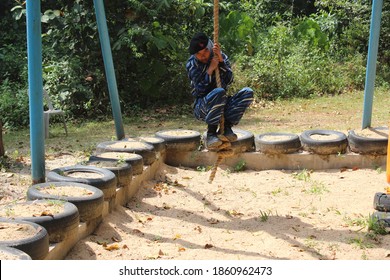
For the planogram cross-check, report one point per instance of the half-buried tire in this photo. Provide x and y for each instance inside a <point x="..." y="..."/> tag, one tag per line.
<point x="277" y="143"/>
<point x="157" y="142"/>
<point x="382" y="202"/>
<point x="25" y="236"/>
<point x="180" y="139"/>
<point x="88" y="199"/>
<point x="244" y="142"/>
<point x="369" y="141"/>
<point x="129" y="146"/>
<point x="101" y="178"/>
<point x="382" y="217"/>
<point x="136" y="161"/>
<point x="122" y="170"/>
<point x="324" y="142"/>
<point x="9" y="253"/>
<point x="59" y="218"/>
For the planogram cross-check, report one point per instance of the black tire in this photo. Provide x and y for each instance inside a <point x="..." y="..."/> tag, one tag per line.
<point x="122" y="170"/>
<point x="136" y="161"/>
<point x="324" y="147"/>
<point x="180" y="139"/>
<point x="287" y="144"/>
<point x="245" y="141"/>
<point x="369" y="145"/>
<point x="157" y="142"/>
<point x="382" y="202"/>
<point x="89" y="207"/>
<point x="37" y="246"/>
<point x="106" y="183"/>
<point x="10" y="253"/>
<point x="59" y="226"/>
<point x="129" y="146"/>
<point x="382" y="217"/>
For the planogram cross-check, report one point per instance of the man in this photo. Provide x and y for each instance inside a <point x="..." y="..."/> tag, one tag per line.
<point x="211" y="101"/>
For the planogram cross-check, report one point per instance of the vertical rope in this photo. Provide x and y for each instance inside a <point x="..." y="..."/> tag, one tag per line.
<point x="221" y="154"/>
<point x="215" y="167"/>
<point x="216" y="38"/>
<point x="216" y="35"/>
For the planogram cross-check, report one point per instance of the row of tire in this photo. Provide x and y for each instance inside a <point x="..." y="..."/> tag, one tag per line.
<point x="316" y="141"/>
<point x="57" y="227"/>
<point x="112" y="168"/>
<point x="333" y="142"/>
<point x="53" y="227"/>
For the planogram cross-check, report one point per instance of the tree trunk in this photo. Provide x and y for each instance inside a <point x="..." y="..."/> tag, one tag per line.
<point x="2" y="152"/>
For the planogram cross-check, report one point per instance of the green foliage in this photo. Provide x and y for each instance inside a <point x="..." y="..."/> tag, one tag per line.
<point x="282" y="49"/>
<point x="297" y="63"/>
<point x="303" y="175"/>
<point x="238" y="33"/>
<point x="264" y="215"/>
<point x="13" y="70"/>
<point x="153" y="41"/>
<point x="13" y="105"/>
<point x="309" y="30"/>
<point x="240" y="166"/>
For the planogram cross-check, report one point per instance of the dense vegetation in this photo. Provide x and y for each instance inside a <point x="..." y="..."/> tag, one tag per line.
<point x="281" y="49"/>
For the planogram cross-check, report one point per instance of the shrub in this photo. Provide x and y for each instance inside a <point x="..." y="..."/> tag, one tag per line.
<point x="13" y="105"/>
<point x="288" y="64"/>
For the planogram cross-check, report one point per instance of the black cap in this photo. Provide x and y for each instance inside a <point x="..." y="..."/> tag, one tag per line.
<point x="198" y="43"/>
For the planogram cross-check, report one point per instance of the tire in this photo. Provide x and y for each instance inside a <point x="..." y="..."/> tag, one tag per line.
<point x="369" y="145"/>
<point x="157" y="142"/>
<point x="180" y="139"/>
<point x="129" y="146"/>
<point x="324" y="147"/>
<point x="136" y="161"/>
<point x="89" y="207"/>
<point x="59" y="225"/>
<point x="122" y="170"/>
<point x="106" y="183"/>
<point x="245" y="141"/>
<point x="382" y="217"/>
<point x="287" y="143"/>
<point x="9" y="253"/>
<point x="382" y="202"/>
<point x="36" y="246"/>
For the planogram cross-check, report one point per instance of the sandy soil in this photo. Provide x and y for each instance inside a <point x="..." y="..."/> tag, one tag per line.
<point x="270" y="214"/>
<point x="244" y="215"/>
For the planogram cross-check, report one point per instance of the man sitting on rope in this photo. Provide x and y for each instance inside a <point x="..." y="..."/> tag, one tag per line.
<point x="211" y="102"/>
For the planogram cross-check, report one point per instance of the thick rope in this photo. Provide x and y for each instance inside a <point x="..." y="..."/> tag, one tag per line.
<point x="216" y="38"/>
<point x="225" y="149"/>
<point x="216" y="35"/>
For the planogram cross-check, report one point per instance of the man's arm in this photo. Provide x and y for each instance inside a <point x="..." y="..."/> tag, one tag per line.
<point x="200" y="79"/>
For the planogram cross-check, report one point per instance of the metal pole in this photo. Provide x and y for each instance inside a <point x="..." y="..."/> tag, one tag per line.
<point x="109" y="67"/>
<point x="34" y="55"/>
<point x="371" y="61"/>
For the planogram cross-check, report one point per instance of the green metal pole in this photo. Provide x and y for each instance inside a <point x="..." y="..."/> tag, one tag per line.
<point x="34" y="55"/>
<point x="371" y="61"/>
<point x="109" y="67"/>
